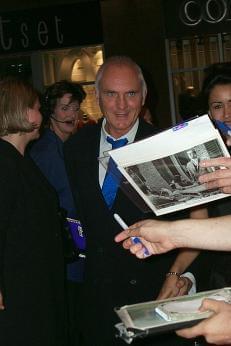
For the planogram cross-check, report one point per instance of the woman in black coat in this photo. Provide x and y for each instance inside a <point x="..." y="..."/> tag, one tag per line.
<point x="31" y="255"/>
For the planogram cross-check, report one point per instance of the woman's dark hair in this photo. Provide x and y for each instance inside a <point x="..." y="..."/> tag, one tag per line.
<point x="216" y="74"/>
<point x="57" y="91"/>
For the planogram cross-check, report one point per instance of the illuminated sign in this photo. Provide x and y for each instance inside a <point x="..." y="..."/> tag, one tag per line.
<point x="51" y="27"/>
<point x="184" y="17"/>
<point x="192" y="12"/>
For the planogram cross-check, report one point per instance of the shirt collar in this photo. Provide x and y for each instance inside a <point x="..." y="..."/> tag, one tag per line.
<point x="130" y="135"/>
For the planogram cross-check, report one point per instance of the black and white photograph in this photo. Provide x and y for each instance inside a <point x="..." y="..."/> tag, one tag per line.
<point x="164" y="168"/>
<point x="172" y="181"/>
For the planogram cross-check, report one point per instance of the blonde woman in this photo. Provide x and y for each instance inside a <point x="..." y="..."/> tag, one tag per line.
<point x="31" y="258"/>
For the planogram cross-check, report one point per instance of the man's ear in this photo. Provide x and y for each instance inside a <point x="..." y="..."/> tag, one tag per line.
<point x="97" y="97"/>
<point x="144" y="98"/>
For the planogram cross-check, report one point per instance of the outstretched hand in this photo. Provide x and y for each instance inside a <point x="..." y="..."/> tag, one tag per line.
<point x="153" y="237"/>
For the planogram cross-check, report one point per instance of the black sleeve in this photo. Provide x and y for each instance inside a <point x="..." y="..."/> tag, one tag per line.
<point x="8" y="183"/>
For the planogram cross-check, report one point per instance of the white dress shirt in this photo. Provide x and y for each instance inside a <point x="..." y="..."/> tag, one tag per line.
<point x="105" y="147"/>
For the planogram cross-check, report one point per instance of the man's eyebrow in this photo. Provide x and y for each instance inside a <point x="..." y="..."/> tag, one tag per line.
<point x="109" y="91"/>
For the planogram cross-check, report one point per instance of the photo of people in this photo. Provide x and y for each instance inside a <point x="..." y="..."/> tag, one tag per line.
<point x="171" y="181"/>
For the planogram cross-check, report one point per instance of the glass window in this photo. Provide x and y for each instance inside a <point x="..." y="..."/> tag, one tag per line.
<point x="226" y="39"/>
<point x="77" y="64"/>
<point x="188" y="57"/>
<point x="194" y="52"/>
<point x="186" y="86"/>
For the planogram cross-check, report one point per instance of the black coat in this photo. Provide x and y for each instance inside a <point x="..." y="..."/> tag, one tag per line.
<point x="113" y="276"/>
<point x="31" y="255"/>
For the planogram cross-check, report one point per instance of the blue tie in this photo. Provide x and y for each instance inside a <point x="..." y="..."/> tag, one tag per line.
<point x="113" y="175"/>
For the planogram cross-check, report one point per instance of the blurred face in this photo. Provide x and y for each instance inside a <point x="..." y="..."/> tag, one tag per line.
<point x="65" y="116"/>
<point x="35" y="117"/>
<point x="120" y="98"/>
<point x="191" y="154"/>
<point x="220" y="103"/>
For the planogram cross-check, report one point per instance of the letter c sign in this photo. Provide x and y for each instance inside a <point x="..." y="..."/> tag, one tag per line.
<point x="192" y="12"/>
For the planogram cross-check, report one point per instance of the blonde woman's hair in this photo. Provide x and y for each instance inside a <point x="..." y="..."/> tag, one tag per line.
<point x="16" y="97"/>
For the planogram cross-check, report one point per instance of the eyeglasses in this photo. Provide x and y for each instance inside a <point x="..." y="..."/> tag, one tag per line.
<point x="66" y="108"/>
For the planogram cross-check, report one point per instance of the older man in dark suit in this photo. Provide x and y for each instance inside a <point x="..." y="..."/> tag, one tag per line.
<point x="113" y="277"/>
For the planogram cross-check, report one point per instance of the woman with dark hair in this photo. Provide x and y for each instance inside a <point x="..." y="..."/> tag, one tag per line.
<point x="216" y="94"/>
<point x="31" y="255"/>
<point x="60" y="108"/>
<point x="216" y="86"/>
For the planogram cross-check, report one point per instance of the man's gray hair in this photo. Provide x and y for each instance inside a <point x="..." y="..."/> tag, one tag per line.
<point x="120" y="60"/>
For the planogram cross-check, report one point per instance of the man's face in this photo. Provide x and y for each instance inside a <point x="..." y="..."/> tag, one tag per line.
<point x="120" y="98"/>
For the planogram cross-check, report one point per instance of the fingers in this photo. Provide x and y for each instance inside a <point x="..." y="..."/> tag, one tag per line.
<point x="169" y="287"/>
<point x="136" y="249"/>
<point x="213" y="305"/>
<point x="164" y="294"/>
<point x="220" y="174"/>
<point x="132" y="231"/>
<point x="184" y="284"/>
<point x="228" y="141"/>
<point x="122" y="235"/>
<point x="192" y="332"/>
<point x="219" y="161"/>
<point x="223" y="184"/>
<point x="221" y="178"/>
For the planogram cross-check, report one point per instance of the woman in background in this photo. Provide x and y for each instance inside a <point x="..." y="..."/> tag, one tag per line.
<point x="216" y="97"/>
<point x="60" y="108"/>
<point x="31" y="254"/>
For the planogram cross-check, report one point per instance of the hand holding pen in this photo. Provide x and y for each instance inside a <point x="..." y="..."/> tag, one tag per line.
<point x="135" y="240"/>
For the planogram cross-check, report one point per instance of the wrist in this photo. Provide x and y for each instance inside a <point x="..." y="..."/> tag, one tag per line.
<point x="173" y="273"/>
<point x="176" y="233"/>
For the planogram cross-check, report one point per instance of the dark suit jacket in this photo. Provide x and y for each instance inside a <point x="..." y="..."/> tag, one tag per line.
<point x="113" y="276"/>
<point x="31" y="255"/>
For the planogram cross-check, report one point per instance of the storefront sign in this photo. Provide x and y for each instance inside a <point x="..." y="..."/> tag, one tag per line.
<point x="184" y="17"/>
<point x="51" y="27"/>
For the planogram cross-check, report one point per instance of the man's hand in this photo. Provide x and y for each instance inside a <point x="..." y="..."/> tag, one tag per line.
<point x="174" y="286"/>
<point x="153" y="235"/>
<point x="221" y="178"/>
<point x="216" y="329"/>
<point x="2" y="307"/>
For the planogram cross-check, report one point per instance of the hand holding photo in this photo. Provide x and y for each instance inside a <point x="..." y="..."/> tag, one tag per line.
<point x="164" y="169"/>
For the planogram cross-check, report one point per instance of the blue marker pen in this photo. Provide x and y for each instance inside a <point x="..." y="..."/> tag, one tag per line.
<point x="225" y="129"/>
<point x="135" y="240"/>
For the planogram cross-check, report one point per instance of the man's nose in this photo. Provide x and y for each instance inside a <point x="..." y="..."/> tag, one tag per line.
<point x="121" y="101"/>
